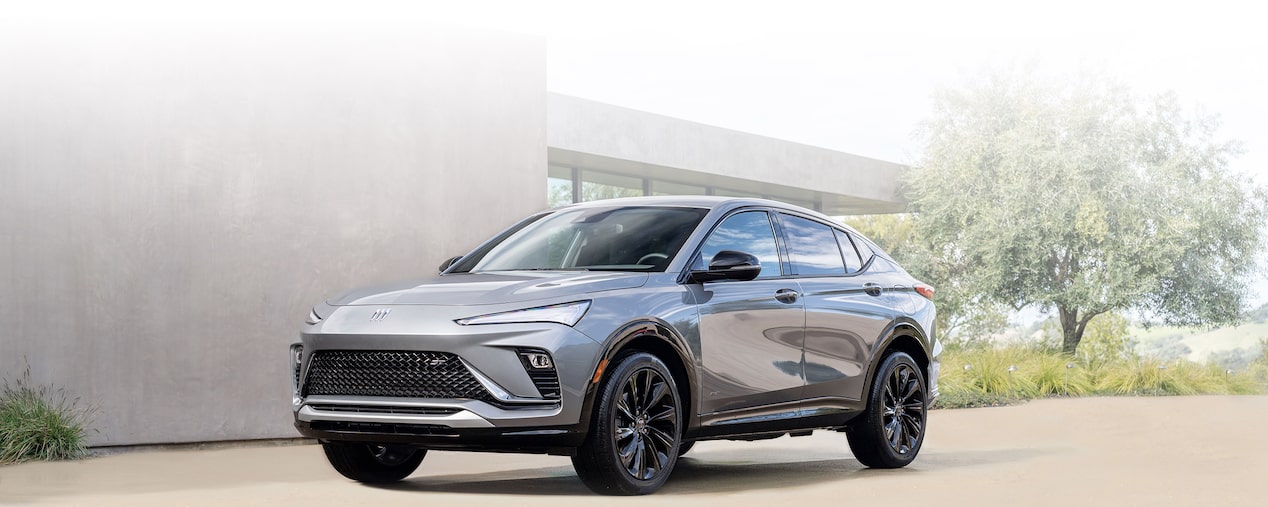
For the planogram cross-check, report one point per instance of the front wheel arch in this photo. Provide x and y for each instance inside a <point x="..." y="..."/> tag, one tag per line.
<point x="655" y="338"/>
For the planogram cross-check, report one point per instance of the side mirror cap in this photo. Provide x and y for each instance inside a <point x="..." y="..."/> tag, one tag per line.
<point x="449" y="262"/>
<point x="729" y="265"/>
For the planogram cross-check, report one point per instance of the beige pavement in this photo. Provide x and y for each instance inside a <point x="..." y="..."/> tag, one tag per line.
<point x="1209" y="450"/>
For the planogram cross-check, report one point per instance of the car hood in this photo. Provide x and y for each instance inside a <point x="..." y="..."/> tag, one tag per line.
<point x="458" y="289"/>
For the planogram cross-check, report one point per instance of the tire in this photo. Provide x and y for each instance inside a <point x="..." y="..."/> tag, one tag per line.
<point x="685" y="447"/>
<point x="891" y="430"/>
<point x="374" y="464"/>
<point x="634" y="438"/>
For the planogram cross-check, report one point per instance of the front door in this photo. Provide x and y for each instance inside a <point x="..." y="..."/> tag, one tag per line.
<point x="750" y="331"/>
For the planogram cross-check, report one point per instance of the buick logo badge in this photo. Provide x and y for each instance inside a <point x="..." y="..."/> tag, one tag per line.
<point x="380" y="314"/>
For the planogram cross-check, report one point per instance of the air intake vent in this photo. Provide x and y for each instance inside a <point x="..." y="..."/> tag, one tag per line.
<point x="297" y="360"/>
<point x="403" y="374"/>
<point x="545" y="379"/>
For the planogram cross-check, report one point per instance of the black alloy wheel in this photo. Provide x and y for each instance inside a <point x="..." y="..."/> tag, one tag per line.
<point x="373" y="463"/>
<point x="633" y="445"/>
<point x="904" y="414"/>
<point x="646" y="422"/>
<point x="890" y="432"/>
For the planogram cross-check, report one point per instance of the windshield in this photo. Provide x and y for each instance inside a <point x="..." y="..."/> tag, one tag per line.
<point x="642" y="238"/>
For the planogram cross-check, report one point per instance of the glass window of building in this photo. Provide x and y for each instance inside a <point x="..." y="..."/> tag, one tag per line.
<point x="670" y="188"/>
<point x="558" y="186"/>
<point x="597" y="185"/>
<point x="796" y="202"/>
<point x="734" y="193"/>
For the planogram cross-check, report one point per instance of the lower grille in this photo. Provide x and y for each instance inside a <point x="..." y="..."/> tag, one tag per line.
<point x="381" y="428"/>
<point x="404" y="374"/>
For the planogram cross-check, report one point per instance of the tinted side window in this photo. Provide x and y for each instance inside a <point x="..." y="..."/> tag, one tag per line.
<point x="812" y="247"/>
<point x="865" y="252"/>
<point x="852" y="262"/>
<point x="749" y="232"/>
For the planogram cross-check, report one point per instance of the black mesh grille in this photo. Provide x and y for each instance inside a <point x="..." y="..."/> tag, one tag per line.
<point x="405" y="374"/>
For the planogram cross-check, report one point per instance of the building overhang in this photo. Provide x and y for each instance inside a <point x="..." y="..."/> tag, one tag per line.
<point x="592" y="135"/>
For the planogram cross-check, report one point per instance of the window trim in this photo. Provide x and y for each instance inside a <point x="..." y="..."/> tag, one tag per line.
<point x="848" y="232"/>
<point x="844" y="267"/>
<point x="684" y="277"/>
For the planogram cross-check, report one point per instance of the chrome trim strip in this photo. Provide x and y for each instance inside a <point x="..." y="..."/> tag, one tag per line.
<point x="498" y="392"/>
<point x="461" y="419"/>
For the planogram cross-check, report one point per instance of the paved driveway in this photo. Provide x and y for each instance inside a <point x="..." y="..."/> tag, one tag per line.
<point x="1096" y="451"/>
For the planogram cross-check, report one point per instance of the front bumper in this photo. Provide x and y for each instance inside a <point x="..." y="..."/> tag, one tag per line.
<point x="513" y="412"/>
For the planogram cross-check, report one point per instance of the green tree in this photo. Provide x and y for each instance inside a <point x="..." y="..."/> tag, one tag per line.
<point x="1080" y="197"/>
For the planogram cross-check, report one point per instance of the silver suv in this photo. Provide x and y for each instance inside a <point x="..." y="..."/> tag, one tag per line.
<point x="620" y="333"/>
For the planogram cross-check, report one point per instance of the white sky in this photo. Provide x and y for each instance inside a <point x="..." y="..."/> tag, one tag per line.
<point x="847" y="75"/>
<point x="857" y="77"/>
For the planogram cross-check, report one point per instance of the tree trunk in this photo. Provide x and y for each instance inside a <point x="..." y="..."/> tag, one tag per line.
<point x="1072" y="327"/>
<point x="1071" y="333"/>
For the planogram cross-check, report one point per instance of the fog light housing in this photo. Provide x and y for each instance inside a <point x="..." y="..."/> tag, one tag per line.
<point x="538" y="360"/>
<point x="541" y="370"/>
<point x="297" y="364"/>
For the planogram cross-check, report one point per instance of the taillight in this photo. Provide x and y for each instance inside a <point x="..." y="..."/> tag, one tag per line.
<point x="925" y="291"/>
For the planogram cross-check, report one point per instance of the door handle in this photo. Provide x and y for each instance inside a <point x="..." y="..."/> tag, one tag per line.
<point x="786" y="296"/>
<point x="872" y="289"/>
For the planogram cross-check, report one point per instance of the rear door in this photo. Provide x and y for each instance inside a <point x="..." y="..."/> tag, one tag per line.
<point x="845" y="315"/>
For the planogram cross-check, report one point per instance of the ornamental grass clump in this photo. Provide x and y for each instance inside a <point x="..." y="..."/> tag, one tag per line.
<point x="40" y="422"/>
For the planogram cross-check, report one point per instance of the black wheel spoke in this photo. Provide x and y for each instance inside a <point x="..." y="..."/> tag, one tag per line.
<point x="658" y="392"/>
<point x="646" y="391"/>
<point x="903" y="409"/>
<point x="669" y="415"/>
<point x="659" y="436"/>
<point x="640" y="452"/>
<point x="627" y="453"/>
<point x="624" y="408"/>
<point x="912" y="387"/>
<point x="653" y="465"/>
<point x="896" y="434"/>
<point x="645" y="424"/>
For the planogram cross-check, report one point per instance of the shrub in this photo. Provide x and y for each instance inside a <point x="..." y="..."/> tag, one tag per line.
<point x="1056" y="375"/>
<point x="40" y="423"/>
<point x="964" y="398"/>
<point x="1042" y="371"/>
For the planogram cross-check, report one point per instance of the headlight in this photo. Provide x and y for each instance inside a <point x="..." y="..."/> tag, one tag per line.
<point x="318" y="313"/>
<point x="567" y="314"/>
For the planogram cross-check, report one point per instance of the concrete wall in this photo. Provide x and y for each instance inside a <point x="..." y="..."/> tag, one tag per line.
<point x="589" y="134"/>
<point x="174" y="200"/>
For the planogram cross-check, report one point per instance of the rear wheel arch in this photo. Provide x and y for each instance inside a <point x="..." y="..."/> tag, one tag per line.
<point x="900" y="337"/>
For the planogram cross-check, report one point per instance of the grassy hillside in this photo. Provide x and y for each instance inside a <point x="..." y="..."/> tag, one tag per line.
<point x="1203" y="342"/>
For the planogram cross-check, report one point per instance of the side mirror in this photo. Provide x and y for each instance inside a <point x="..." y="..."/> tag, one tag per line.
<point x="729" y="265"/>
<point x="451" y="261"/>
